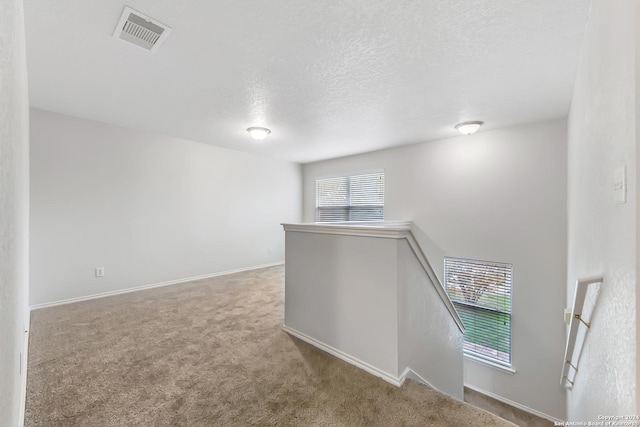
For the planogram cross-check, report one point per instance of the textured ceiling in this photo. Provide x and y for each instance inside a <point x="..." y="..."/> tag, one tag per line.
<point x="329" y="78"/>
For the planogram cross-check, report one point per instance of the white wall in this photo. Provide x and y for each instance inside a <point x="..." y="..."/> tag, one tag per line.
<point x="14" y="206"/>
<point x="147" y="208"/>
<point x="429" y="340"/>
<point x="602" y="234"/>
<point x="342" y="291"/>
<point x="501" y="196"/>
<point x="637" y="185"/>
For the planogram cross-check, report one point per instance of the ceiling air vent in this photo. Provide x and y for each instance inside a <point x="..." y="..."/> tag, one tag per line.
<point x="139" y="29"/>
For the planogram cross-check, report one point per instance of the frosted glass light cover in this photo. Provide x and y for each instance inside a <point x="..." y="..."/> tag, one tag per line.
<point x="467" y="128"/>
<point x="258" y="132"/>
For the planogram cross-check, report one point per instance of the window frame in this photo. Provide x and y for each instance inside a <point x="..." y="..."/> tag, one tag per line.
<point x="469" y="308"/>
<point x="350" y="207"/>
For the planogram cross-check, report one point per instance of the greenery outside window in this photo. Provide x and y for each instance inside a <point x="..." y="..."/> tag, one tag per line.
<point x="481" y="292"/>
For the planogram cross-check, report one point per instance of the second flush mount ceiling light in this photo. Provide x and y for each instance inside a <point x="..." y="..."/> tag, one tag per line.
<point x="258" y="132"/>
<point x="467" y="128"/>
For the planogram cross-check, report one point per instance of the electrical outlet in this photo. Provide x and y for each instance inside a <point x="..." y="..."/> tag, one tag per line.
<point x="99" y="271"/>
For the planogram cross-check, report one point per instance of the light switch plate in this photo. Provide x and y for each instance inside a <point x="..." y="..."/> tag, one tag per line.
<point x="620" y="185"/>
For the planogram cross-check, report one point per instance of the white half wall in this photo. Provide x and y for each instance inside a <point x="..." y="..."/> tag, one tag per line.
<point x="148" y="208"/>
<point x="603" y="137"/>
<point x="429" y="341"/>
<point x="342" y="291"/>
<point x="499" y="196"/>
<point x="14" y="208"/>
<point x="364" y="294"/>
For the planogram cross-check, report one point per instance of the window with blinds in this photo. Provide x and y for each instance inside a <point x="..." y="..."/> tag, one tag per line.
<point x="350" y="198"/>
<point x="481" y="292"/>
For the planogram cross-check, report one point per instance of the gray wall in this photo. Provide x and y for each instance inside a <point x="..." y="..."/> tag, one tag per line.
<point x="148" y="208"/>
<point x="602" y="234"/>
<point x="500" y="196"/>
<point x="14" y="207"/>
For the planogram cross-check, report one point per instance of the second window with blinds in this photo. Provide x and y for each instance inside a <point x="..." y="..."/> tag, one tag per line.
<point x="358" y="197"/>
<point x="481" y="292"/>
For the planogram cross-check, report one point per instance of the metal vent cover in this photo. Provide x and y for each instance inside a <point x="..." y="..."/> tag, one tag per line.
<point x="141" y="30"/>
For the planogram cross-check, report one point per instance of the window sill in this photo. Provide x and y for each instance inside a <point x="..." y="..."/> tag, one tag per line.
<point x="507" y="369"/>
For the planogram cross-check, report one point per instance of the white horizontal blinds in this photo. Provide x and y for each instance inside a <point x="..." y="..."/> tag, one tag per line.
<point x="367" y="197"/>
<point x="332" y="199"/>
<point x="350" y="198"/>
<point x="481" y="292"/>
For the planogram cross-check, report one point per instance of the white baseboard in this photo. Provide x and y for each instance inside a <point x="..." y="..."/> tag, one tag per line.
<point x="413" y="375"/>
<point x="150" y="286"/>
<point x="514" y="404"/>
<point x="397" y="381"/>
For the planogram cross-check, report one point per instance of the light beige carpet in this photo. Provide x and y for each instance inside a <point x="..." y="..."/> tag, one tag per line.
<point x="208" y="353"/>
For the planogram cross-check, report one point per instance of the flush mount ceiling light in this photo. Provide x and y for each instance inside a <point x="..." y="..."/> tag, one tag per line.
<point x="467" y="128"/>
<point x="257" y="132"/>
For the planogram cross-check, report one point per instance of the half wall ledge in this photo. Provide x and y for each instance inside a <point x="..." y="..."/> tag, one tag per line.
<point x="367" y="292"/>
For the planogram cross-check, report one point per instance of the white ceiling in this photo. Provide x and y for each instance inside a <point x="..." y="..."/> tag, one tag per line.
<point x="329" y="78"/>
